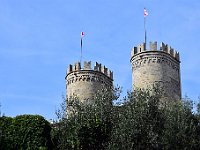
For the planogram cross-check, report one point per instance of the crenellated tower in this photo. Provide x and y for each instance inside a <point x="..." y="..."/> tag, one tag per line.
<point x="85" y="82"/>
<point x="153" y="66"/>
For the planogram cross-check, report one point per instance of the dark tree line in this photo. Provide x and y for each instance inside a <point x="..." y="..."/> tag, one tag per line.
<point x="142" y="121"/>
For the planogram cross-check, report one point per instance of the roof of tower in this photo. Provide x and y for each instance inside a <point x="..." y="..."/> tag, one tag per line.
<point x="87" y="66"/>
<point x="153" y="47"/>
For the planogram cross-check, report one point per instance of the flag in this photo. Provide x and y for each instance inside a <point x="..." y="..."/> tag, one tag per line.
<point x="145" y="12"/>
<point x="82" y="34"/>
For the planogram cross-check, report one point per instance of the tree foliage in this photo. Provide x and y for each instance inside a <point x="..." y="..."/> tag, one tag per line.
<point x="25" y="132"/>
<point x="144" y="121"/>
<point x="88" y="125"/>
<point x="6" y="133"/>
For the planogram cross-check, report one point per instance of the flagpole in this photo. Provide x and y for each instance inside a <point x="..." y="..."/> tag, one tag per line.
<point x="82" y="35"/>
<point x="145" y="33"/>
<point x="81" y="50"/>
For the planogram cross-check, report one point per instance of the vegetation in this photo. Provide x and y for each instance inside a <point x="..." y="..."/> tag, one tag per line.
<point x="143" y="121"/>
<point x="25" y="132"/>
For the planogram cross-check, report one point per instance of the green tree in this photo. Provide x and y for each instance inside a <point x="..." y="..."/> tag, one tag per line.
<point x="145" y="120"/>
<point x="25" y="132"/>
<point x="137" y="123"/>
<point x="89" y="125"/>
<point x="181" y="125"/>
<point x="6" y="133"/>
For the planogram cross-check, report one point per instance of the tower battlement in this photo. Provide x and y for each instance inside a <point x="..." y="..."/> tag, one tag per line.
<point x="153" y="47"/>
<point x="98" y="67"/>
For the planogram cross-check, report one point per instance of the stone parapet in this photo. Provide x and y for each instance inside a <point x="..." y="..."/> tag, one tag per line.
<point x="87" y="66"/>
<point x="153" y="47"/>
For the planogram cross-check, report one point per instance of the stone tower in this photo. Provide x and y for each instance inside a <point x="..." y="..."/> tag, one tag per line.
<point x="153" y="66"/>
<point x="85" y="82"/>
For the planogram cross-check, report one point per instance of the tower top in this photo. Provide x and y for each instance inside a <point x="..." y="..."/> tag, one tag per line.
<point x="88" y="67"/>
<point x="153" y="47"/>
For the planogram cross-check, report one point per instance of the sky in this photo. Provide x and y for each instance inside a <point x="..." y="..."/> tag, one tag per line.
<point x="40" y="38"/>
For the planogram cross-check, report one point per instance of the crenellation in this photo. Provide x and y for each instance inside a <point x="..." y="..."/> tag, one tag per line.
<point x="87" y="65"/>
<point x="163" y="47"/>
<point x="168" y="49"/>
<point x="69" y="69"/>
<point x="177" y="56"/>
<point x="171" y="52"/>
<point x="77" y="66"/>
<point x="174" y="53"/>
<point x="104" y="70"/>
<point x="141" y="47"/>
<point x="97" y="67"/>
<point x="153" y="46"/>
<point x="135" y="51"/>
<point x="74" y="68"/>
<point x="110" y="74"/>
